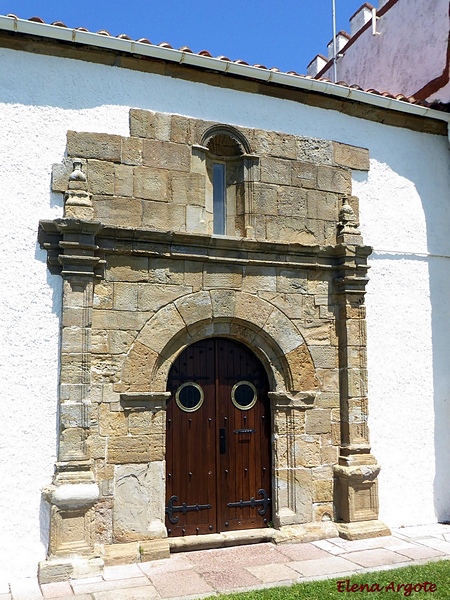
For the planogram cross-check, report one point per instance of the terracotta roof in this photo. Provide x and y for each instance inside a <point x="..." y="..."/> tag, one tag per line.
<point x="409" y="99"/>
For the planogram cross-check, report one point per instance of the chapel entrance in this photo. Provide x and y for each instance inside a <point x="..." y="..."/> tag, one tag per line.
<point x="218" y="440"/>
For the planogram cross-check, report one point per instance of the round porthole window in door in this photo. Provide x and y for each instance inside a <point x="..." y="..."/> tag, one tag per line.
<point x="244" y="395"/>
<point x="189" y="396"/>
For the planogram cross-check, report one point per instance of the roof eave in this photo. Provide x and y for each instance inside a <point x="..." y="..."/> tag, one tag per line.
<point x="136" y="48"/>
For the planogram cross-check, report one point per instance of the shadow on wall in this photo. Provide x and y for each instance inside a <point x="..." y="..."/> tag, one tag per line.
<point x="427" y="168"/>
<point x="55" y="285"/>
<point x="440" y="314"/>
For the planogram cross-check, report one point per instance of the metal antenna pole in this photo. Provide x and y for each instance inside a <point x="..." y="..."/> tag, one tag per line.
<point x="334" y="43"/>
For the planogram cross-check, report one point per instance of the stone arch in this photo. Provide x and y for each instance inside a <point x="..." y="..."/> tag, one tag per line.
<point x="238" y="315"/>
<point x="228" y="131"/>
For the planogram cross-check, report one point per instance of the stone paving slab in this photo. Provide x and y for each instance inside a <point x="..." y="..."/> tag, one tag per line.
<point x="176" y="562"/>
<point x="279" y="573"/>
<point x="437" y="544"/>
<point x="328" y="546"/>
<point x="104" y="586"/>
<point x="122" y="572"/>
<point x="140" y="593"/>
<point x="333" y="565"/>
<point x="302" y="552"/>
<point x="230" y="579"/>
<point x="26" y="589"/>
<point x="180" y="583"/>
<point x="419" y="552"/>
<point x="376" y="557"/>
<point x="56" y="590"/>
<point x="198" y="574"/>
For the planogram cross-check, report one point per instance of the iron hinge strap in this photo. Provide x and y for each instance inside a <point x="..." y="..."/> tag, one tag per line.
<point x="184" y="508"/>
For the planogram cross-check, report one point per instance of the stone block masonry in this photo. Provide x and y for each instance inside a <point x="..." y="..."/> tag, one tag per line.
<point x="144" y="277"/>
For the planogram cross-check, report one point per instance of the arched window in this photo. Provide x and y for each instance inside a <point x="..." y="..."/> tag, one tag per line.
<point x="227" y="153"/>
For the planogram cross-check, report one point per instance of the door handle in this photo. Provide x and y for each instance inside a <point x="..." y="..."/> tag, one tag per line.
<point x="244" y="431"/>
<point x="222" y="441"/>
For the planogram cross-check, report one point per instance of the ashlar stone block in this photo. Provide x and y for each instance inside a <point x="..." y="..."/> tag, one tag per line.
<point x="195" y="308"/>
<point x="334" y="179"/>
<point x="130" y="449"/>
<point x="147" y="422"/>
<point x="323" y="206"/>
<point x="101" y="177"/>
<point x="102" y="146"/>
<point x="122" y="268"/>
<point x="132" y="151"/>
<point x="187" y="188"/>
<point x="125" y="296"/>
<point x="123" y="180"/>
<point x="315" y="150"/>
<point x="151" y="184"/>
<point x="318" y="421"/>
<point x="265" y="199"/>
<point x="166" y="155"/>
<point x="163" y="216"/>
<point x="138" y="367"/>
<point x="292" y="281"/>
<point x="291" y="202"/>
<point x="276" y="170"/>
<point x="117" y="211"/>
<point x="351" y="157"/>
<point x="222" y="276"/>
<point x="149" y="124"/>
<point x="307" y="451"/>
<point x="250" y="310"/>
<point x="160" y="329"/>
<point x="283" y="332"/>
<point x="257" y="279"/>
<point x="302" y="369"/>
<point x="294" y="230"/>
<point x="139" y="502"/>
<point x="304" y="175"/>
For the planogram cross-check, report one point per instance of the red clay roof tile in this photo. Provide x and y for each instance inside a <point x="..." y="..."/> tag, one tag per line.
<point x="410" y="99"/>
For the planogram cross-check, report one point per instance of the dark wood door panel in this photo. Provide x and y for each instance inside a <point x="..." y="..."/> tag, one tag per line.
<point x="218" y="451"/>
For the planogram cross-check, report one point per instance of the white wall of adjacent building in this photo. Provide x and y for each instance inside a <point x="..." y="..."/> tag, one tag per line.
<point x="405" y="216"/>
<point x="408" y="51"/>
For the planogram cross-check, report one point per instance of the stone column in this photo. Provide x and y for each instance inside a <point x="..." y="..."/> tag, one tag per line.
<point x="73" y="492"/>
<point x="356" y="487"/>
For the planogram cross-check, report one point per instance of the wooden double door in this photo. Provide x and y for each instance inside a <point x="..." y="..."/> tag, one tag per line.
<point x="218" y="460"/>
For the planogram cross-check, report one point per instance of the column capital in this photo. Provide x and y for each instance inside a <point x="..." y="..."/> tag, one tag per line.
<point x="71" y="247"/>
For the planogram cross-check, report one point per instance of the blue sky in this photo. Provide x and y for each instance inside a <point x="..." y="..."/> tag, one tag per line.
<point x="283" y="33"/>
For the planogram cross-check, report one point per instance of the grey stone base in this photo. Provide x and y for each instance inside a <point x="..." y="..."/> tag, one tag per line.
<point x="362" y="530"/>
<point x="132" y="552"/>
<point x="289" y="533"/>
<point x="63" y="569"/>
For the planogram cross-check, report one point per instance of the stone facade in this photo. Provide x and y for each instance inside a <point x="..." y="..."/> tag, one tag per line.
<point x="144" y="277"/>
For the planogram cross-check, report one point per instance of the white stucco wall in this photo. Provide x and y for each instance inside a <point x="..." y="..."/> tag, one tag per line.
<point x="409" y="52"/>
<point x="405" y="216"/>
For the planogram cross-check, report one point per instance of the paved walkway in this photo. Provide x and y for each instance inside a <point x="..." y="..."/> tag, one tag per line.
<point x="198" y="574"/>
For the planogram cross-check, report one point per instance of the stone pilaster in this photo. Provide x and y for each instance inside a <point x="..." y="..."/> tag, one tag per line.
<point x="356" y="486"/>
<point x="73" y="491"/>
<point x="251" y="164"/>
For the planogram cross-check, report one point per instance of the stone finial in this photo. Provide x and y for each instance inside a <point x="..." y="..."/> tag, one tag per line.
<point x="347" y="219"/>
<point x="348" y="225"/>
<point x="77" y="200"/>
<point x="77" y="173"/>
